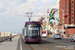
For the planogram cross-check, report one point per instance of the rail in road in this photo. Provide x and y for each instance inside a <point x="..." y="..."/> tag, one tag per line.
<point x="62" y="46"/>
<point x="45" y="44"/>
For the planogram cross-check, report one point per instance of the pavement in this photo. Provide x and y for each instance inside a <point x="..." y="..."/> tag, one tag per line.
<point x="63" y="41"/>
<point x="9" y="45"/>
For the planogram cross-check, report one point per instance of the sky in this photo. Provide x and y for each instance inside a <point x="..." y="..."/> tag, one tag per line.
<point x="13" y="12"/>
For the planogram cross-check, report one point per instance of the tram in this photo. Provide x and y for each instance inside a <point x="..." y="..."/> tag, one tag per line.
<point x="32" y="31"/>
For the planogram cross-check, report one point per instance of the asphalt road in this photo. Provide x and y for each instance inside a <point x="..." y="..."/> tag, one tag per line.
<point x="63" y="41"/>
<point x="47" y="44"/>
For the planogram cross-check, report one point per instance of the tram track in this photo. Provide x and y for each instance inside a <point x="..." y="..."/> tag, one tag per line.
<point x="57" y="44"/>
<point x="32" y="48"/>
<point x="43" y="47"/>
<point x="40" y="45"/>
<point x="54" y="46"/>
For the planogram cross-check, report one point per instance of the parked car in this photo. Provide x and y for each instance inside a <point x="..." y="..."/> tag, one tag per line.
<point x="44" y="34"/>
<point x="57" y="36"/>
<point x="73" y="38"/>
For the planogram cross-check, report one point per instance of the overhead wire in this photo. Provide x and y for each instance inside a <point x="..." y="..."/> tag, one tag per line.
<point x="32" y="5"/>
<point x="30" y="11"/>
<point x="52" y="5"/>
<point x="45" y="12"/>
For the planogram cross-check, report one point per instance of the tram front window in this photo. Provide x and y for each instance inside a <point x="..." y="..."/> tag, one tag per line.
<point x="33" y="31"/>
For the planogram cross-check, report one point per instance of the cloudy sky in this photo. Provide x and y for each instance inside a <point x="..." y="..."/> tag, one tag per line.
<point x="13" y="12"/>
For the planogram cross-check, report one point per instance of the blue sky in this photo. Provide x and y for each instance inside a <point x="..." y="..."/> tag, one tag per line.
<point x="12" y="12"/>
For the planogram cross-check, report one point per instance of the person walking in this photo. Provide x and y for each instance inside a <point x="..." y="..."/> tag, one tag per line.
<point x="10" y="37"/>
<point x="68" y="35"/>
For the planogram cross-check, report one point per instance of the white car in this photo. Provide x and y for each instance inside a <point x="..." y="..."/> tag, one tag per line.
<point x="44" y="35"/>
<point x="73" y="38"/>
<point x="57" y="36"/>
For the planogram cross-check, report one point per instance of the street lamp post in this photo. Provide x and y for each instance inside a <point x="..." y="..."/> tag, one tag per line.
<point x="38" y="14"/>
<point x="47" y="21"/>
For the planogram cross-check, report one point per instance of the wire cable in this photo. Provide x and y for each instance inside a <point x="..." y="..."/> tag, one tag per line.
<point x="52" y="5"/>
<point x="32" y="5"/>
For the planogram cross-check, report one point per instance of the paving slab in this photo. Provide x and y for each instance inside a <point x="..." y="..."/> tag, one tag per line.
<point x="9" y="45"/>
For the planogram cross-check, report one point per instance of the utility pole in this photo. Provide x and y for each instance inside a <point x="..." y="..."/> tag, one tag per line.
<point x="29" y="17"/>
<point x="38" y="14"/>
<point x="47" y="20"/>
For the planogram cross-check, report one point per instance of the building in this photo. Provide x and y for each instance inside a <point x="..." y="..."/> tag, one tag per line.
<point x="67" y="7"/>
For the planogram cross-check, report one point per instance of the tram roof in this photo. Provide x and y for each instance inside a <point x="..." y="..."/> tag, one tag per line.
<point x="33" y="22"/>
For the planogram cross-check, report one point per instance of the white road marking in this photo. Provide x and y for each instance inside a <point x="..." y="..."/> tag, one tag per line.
<point x="20" y="45"/>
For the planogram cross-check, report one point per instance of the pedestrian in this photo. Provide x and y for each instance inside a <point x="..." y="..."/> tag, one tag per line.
<point x="10" y="37"/>
<point x="62" y="36"/>
<point x="68" y="35"/>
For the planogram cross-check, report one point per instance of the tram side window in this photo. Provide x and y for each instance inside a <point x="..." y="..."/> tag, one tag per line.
<point x="40" y="31"/>
<point x="25" y="31"/>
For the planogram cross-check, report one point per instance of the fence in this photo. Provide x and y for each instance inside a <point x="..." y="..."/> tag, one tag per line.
<point x="5" y="35"/>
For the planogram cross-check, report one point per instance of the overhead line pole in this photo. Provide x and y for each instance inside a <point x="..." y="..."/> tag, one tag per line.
<point x="47" y="20"/>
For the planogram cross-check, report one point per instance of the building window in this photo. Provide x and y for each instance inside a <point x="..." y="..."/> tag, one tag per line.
<point x="63" y="10"/>
<point x="63" y="22"/>
<point x="63" y="2"/>
<point x="72" y="1"/>
<point x="72" y="21"/>
<point x="63" y="18"/>
<point x="67" y="17"/>
<point x="67" y="9"/>
<point x="72" y="5"/>
<point x="67" y="13"/>
<point x="67" y="21"/>
<point x="72" y="13"/>
<point x="67" y="1"/>
<point x="67" y="5"/>
<point x="72" y="9"/>
<point x="63" y="6"/>
<point x="72" y="17"/>
<point x="63" y="14"/>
